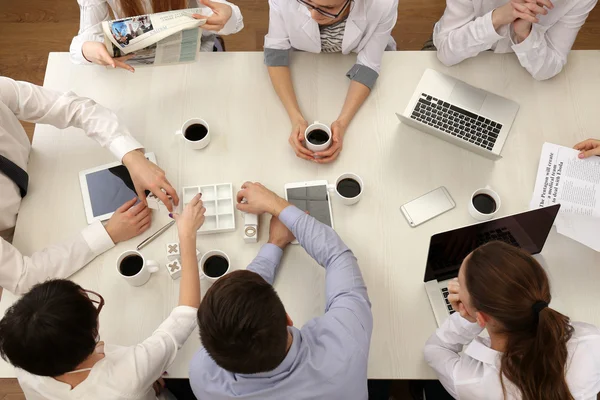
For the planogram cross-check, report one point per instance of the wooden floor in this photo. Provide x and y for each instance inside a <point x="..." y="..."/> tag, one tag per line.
<point x="29" y="29"/>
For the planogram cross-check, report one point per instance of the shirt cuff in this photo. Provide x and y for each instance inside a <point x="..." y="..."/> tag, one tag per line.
<point x="363" y="74"/>
<point x="465" y="329"/>
<point x="531" y="42"/>
<point x="97" y="238"/>
<point x="123" y="145"/>
<point x="485" y="31"/>
<point x="271" y="253"/>
<point x="277" y="57"/>
<point x="235" y="22"/>
<point x="180" y="324"/>
<point x="290" y="215"/>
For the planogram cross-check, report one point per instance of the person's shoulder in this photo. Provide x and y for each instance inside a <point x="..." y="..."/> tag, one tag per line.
<point x="584" y="332"/>
<point x="202" y="364"/>
<point x="380" y="8"/>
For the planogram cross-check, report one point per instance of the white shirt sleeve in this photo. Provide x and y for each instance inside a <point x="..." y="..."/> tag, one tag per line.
<point x="149" y="359"/>
<point x="460" y="34"/>
<point x="443" y="347"/>
<point x="91" y="15"/>
<point x="371" y="54"/>
<point x="39" y="105"/>
<point x="544" y="55"/>
<point x="19" y="273"/>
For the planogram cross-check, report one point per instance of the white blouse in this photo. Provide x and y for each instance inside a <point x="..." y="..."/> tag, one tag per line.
<point x="125" y="373"/>
<point x="466" y="29"/>
<point x="93" y="12"/>
<point x="474" y="374"/>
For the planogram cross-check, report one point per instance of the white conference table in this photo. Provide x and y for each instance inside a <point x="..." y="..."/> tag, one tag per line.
<point x="250" y="128"/>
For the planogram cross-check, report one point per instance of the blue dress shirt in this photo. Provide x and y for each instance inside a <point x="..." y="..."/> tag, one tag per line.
<point x="328" y="357"/>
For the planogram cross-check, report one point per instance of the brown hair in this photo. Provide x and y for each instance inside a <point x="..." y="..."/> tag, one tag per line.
<point x="505" y="282"/>
<point x="243" y="324"/>
<point x="131" y="8"/>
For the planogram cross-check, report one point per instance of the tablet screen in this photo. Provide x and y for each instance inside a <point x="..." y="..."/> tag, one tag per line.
<point x="109" y="189"/>
<point x="314" y="199"/>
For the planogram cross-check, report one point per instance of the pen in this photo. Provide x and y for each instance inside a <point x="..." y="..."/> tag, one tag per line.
<point x="155" y="235"/>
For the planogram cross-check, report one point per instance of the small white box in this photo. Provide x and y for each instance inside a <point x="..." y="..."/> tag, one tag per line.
<point x="152" y="201"/>
<point x="174" y="269"/>
<point x="250" y="228"/>
<point x="173" y="251"/>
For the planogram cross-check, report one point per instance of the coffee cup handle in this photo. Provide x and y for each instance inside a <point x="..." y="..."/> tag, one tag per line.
<point x="178" y="132"/>
<point x="152" y="266"/>
<point x="331" y="187"/>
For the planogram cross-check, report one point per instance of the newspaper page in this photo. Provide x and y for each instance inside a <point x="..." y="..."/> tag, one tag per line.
<point x="564" y="178"/>
<point x="155" y="39"/>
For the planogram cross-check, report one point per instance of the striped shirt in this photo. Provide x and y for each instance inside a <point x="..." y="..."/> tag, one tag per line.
<point x="332" y="37"/>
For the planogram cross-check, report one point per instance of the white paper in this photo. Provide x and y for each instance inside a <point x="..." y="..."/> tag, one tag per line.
<point x="564" y="178"/>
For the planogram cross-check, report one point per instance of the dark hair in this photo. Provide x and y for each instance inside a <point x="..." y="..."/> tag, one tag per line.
<point x="243" y="324"/>
<point x="132" y="8"/>
<point x="50" y="330"/>
<point x="505" y="283"/>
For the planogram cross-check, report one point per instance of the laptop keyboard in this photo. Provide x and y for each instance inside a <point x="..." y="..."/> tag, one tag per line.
<point x="502" y="234"/>
<point x="456" y="121"/>
<point x="446" y="293"/>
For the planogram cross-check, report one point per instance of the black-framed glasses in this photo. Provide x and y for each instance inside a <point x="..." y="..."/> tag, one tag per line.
<point x="98" y="301"/>
<point x="325" y="13"/>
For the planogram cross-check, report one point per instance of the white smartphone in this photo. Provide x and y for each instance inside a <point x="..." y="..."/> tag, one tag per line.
<point x="312" y="197"/>
<point x="428" y="206"/>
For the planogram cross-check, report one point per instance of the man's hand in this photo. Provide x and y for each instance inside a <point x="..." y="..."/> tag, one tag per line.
<point x="191" y="219"/>
<point x="148" y="176"/>
<point x="260" y="200"/>
<point x="588" y="148"/>
<point x="338" y="130"/>
<point x="454" y="299"/>
<point x="279" y="234"/>
<point x="96" y="53"/>
<point x="297" y="140"/>
<point x="527" y="10"/>
<point x="221" y="14"/>
<point x="128" y="221"/>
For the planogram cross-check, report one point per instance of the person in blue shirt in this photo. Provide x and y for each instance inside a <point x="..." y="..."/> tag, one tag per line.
<point x="251" y="350"/>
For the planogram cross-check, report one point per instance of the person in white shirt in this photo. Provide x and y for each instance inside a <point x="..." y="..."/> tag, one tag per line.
<point x="533" y="352"/>
<point x="57" y="353"/>
<point x="588" y="148"/>
<point x="540" y="32"/>
<point x="87" y="47"/>
<point x="328" y="26"/>
<point x="28" y="102"/>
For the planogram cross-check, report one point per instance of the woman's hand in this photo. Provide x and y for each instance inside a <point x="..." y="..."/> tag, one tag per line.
<point x="191" y="219"/>
<point x="297" y="140"/>
<point x="96" y="53"/>
<point x="588" y="148"/>
<point x="338" y="130"/>
<point x="221" y="14"/>
<point x="454" y="299"/>
<point x="128" y="221"/>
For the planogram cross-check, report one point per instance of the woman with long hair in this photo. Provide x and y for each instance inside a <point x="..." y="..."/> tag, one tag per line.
<point x="533" y="352"/>
<point x="88" y="47"/>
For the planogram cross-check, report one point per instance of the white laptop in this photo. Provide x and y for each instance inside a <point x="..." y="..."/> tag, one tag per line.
<point x="528" y="231"/>
<point x="461" y="114"/>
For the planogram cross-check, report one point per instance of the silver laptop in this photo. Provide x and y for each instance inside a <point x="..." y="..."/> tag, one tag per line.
<point x="528" y="231"/>
<point x="461" y="114"/>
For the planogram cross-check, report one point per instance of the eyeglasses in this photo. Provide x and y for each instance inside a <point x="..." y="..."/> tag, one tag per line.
<point x="325" y="13"/>
<point x="98" y="301"/>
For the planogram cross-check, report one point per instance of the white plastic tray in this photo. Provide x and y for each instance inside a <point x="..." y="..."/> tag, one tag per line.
<point x="219" y="202"/>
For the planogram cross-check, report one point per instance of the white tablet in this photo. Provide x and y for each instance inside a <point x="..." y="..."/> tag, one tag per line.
<point x="106" y="188"/>
<point x="312" y="197"/>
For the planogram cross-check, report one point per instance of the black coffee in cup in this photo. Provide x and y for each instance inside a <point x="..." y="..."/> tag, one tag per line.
<point x="318" y="136"/>
<point x="484" y="203"/>
<point x="215" y="266"/>
<point x="348" y="188"/>
<point x="131" y="265"/>
<point x="195" y="132"/>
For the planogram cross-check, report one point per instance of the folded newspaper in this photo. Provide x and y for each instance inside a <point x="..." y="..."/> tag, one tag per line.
<point x="155" y="39"/>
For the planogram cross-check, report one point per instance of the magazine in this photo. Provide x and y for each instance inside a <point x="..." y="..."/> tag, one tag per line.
<point x="155" y="39"/>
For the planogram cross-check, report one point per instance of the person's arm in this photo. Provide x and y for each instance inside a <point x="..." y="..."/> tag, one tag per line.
<point x="234" y="22"/>
<point x="347" y="300"/>
<point x="443" y="347"/>
<point x="544" y="53"/>
<point x="461" y="34"/>
<point x="91" y="15"/>
<point x="266" y="262"/>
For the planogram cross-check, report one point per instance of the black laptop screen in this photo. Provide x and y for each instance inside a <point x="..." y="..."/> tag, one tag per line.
<point x="528" y="230"/>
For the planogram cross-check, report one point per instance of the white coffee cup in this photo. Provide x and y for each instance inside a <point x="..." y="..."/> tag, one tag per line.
<point x="206" y="256"/>
<point x="317" y="147"/>
<point x="348" y="200"/>
<point x="478" y="215"/>
<point x="143" y="275"/>
<point x="195" y="144"/>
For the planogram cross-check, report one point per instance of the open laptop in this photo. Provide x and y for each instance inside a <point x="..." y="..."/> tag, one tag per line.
<point x="461" y="114"/>
<point x="528" y="231"/>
